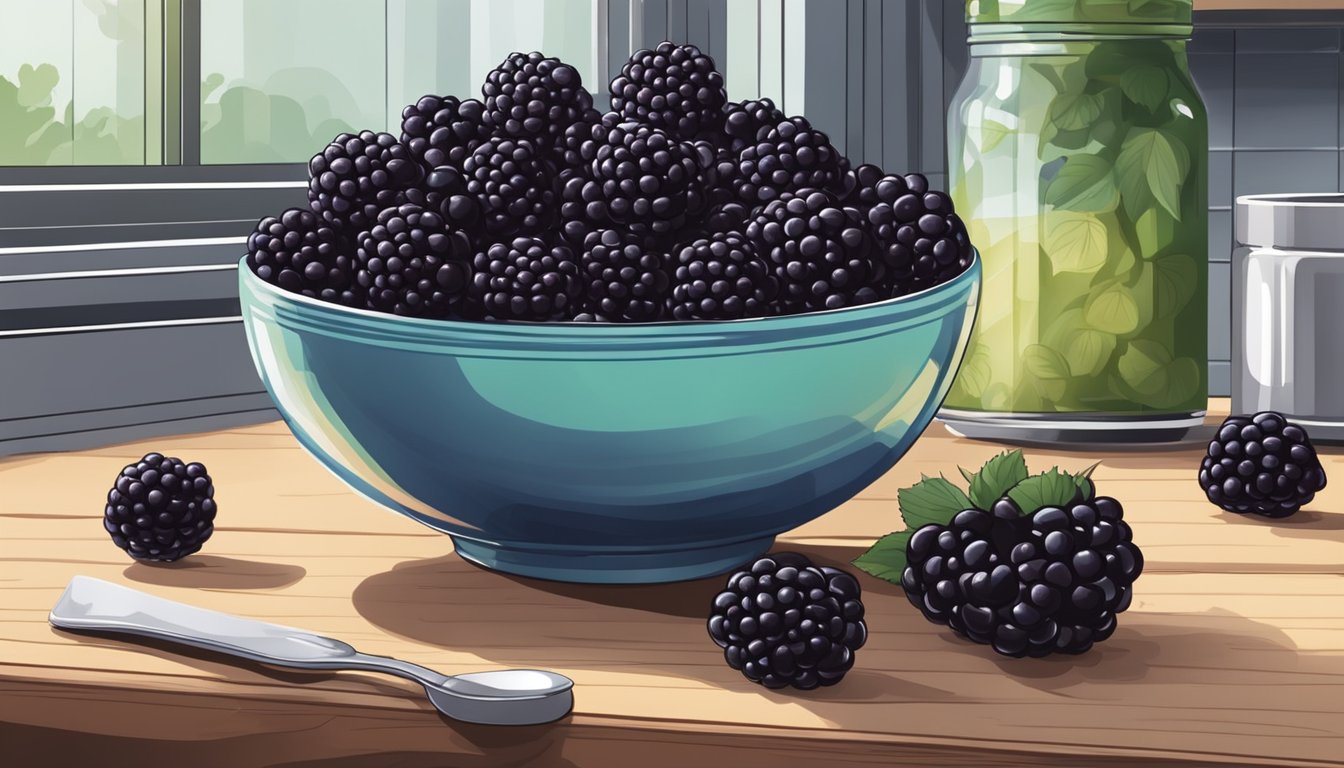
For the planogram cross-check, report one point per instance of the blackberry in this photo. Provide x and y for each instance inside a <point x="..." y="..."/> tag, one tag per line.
<point x="786" y="622"/>
<point x="444" y="191"/>
<point x="413" y="263"/>
<point x="301" y="254"/>
<point x="922" y="241"/>
<point x="720" y="278"/>
<point x="443" y="130"/>
<point x="743" y="122"/>
<point x="728" y="217"/>
<point x="529" y="96"/>
<point x="675" y="88"/>
<point x="588" y="131"/>
<point x="512" y="185"/>
<point x="820" y="252"/>
<point x="858" y="187"/>
<point x="789" y="156"/>
<point x="160" y="508"/>
<point x="1263" y="465"/>
<point x="355" y="177"/>
<point x="1052" y="582"/>
<point x="525" y="279"/>
<point x="625" y="278"/>
<point x="641" y="180"/>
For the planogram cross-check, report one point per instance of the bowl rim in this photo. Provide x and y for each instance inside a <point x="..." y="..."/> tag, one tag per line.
<point x="862" y="315"/>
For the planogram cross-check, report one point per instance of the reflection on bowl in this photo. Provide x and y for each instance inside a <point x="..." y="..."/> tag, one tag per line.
<point x="610" y="453"/>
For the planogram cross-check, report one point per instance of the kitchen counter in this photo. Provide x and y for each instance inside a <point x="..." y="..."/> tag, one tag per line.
<point x="1232" y="654"/>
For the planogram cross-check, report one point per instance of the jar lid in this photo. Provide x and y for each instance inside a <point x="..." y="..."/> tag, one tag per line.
<point x="1078" y="11"/>
<point x="1308" y="221"/>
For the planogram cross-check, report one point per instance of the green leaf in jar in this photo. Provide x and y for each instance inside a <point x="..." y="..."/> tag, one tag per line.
<point x="1155" y="230"/>
<point x="1074" y="242"/>
<point x="1075" y="111"/>
<point x="1146" y="85"/>
<point x="1183" y="382"/>
<point x="975" y="373"/>
<point x="1143" y="366"/>
<point x="1088" y="351"/>
<point x="1153" y="157"/>
<point x="1175" y="280"/>
<point x="1112" y="309"/>
<point x="1038" y="10"/>
<point x="1085" y="183"/>
<point x="992" y="134"/>
<point x="1045" y="363"/>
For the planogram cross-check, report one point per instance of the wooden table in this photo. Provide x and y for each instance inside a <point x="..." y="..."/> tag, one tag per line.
<point x="1232" y="654"/>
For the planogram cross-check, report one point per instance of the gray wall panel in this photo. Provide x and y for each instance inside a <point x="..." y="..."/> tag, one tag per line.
<point x="654" y="15"/>
<point x="854" y="80"/>
<point x="676" y="20"/>
<point x="825" y="77"/>
<point x="873" y="75"/>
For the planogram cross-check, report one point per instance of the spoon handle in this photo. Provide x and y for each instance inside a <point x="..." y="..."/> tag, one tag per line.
<point x="93" y="604"/>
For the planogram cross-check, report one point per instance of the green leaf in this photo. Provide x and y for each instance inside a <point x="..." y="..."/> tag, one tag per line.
<point x="1085" y="183"/>
<point x="1088" y="351"/>
<point x="1155" y="230"/>
<point x="1151" y="155"/>
<point x="1176" y="279"/>
<point x="975" y="373"/>
<point x="1146" y="85"/>
<point x="1075" y="111"/>
<point x="886" y="558"/>
<point x="1112" y="309"/>
<point x="1184" y="378"/>
<point x="1045" y="363"/>
<point x="1075" y="242"/>
<point x="992" y="133"/>
<point x="1048" y="489"/>
<point x="996" y="477"/>
<point x="1143" y="366"/>
<point x="931" y="500"/>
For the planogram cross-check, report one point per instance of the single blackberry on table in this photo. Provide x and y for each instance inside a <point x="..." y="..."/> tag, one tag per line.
<point x="820" y="252"/>
<point x="641" y="180"/>
<point x="301" y="254"/>
<point x="720" y="278"/>
<point x="524" y="279"/>
<point x="1050" y="582"/>
<point x="675" y="88"/>
<point x="922" y="240"/>
<point x="786" y="622"/>
<point x="443" y="130"/>
<point x="787" y="157"/>
<point x="624" y="276"/>
<point x="411" y="262"/>
<point x="444" y="191"/>
<point x="529" y="96"/>
<point x="1262" y="465"/>
<point x="160" y="508"/>
<point x="743" y="122"/>
<point x="512" y="185"/>
<point x="357" y="176"/>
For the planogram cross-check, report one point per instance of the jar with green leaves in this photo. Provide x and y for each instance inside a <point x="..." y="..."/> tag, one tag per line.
<point x="1077" y="157"/>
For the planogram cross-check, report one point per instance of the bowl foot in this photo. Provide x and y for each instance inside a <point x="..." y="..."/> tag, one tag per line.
<point x="652" y="567"/>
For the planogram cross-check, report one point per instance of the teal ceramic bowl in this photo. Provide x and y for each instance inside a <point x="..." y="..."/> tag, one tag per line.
<point x="610" y="453"/>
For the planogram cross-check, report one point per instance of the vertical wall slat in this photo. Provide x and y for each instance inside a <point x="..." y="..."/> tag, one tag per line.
<point x="854" y="80"/>
<point x="896" y="123"/>
<point x="873" y="76"/>
<point x="771" y="44"/>
<point x="697" y="24"/>
<point x="676" y="20"/>
<point x="929" y="111"/>
<point x="742" y="61"/>
<point x="618" y="49"/>
<point x="824" y="78"/>
<point x="794" y="56"/>
<point x="655" y="22"/>
<point x="716" y="18"/>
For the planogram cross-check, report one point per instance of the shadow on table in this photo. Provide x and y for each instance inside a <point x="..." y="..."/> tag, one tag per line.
<point x="216" y="572"/>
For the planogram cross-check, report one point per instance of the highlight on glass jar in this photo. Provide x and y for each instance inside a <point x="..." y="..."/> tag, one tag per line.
<point x="1077" y="151"/>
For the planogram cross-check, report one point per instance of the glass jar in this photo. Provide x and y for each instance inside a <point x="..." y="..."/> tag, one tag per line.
<point x="1077" y="155"/>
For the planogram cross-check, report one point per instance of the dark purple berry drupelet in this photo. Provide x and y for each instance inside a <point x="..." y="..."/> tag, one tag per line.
<point x="625" y="278"/>
<point x="720" y="277"/>
<point x="444" y="191"/>
<point x="789" y="156"/>
<point x="786" y="622"/>
<point x="921" y="239"/>
<point x="443" y="130"/>
<point x="674" y="88"/>
<point x="743" y="122"/>
<point x="411" y="262"/>
<point x="1050" y="582"/>
<point x="820" y="252"/>
<point x="300" y="253"/>
<point x="513" y="186"/>
<point x="357" y="176"/>
<point x="1261" y="465"/>
<point x="533" y="97"/>
<point x="160" y="508"/>
<point x="524" y="279"/>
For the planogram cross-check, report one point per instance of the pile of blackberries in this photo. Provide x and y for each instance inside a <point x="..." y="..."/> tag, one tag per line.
<point x="531" y="204"/>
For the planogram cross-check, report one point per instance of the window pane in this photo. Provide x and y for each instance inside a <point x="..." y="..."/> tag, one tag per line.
<point x="36" y="59"/>
<point x="109" y="82"/>
<point x="281" y="78"/>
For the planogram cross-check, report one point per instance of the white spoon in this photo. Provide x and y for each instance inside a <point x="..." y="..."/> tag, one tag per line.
<point x="504" y="697"/>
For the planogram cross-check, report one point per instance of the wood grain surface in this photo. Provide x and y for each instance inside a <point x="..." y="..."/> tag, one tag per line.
<point x="1232" y="654"/>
